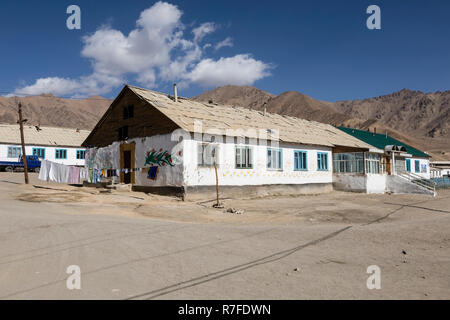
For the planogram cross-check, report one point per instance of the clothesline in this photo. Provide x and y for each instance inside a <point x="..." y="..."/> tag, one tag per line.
<point x="61" y="173"/>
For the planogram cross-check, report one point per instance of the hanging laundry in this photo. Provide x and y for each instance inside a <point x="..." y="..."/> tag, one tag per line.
<point x="44" y="170"/>
<point x="74" y="175"/>
<point x="84" y="174"/>
<point x="59" y="173"/>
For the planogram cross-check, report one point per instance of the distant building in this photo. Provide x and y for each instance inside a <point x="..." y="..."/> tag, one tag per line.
<point x="440" y="169"/>
<point x="397" y="156"/>
<point x="59" y="145"/>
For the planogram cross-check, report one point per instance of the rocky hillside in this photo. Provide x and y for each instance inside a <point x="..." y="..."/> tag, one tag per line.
<point x="49" y="110"/>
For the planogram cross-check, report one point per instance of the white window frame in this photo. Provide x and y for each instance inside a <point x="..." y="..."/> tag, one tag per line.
<point x="202" y="149"/>
<point x="274" y="159"/>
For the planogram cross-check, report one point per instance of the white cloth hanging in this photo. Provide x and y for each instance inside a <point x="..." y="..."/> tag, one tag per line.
<point x="44" y="170"/>
<point x="59" y="173"/>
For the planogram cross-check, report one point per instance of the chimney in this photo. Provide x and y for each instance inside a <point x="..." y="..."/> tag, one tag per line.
<point x="374" y="131"/>
<point x="175" y="93"/>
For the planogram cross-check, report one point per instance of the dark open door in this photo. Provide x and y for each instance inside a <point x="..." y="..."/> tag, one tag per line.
<point x="127" y="162"/>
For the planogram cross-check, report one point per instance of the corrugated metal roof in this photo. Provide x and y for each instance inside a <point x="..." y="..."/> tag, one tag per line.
<point x="293" y="130"/>
<point x="47" y="136"/>
<point x="380" y="141"/>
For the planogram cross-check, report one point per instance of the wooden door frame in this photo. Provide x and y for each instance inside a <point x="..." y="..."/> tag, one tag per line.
<point x="132" y="148"/>
<point x="388" y="165"/>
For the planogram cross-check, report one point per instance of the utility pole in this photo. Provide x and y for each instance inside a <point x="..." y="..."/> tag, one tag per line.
<point x="24" y="155"/>
<point x="217" y="205"/>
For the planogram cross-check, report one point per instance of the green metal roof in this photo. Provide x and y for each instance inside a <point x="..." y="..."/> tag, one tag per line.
<point x="380" y="141"/>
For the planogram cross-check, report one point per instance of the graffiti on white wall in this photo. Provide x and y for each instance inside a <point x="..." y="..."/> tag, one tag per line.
<point x="157" y="159"/>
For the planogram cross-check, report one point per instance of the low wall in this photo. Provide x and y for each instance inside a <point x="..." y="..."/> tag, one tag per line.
<point x="353" y="182"/>
<point x="358" y="182"/>
<point x="376" y="183"/>
<point x="236" y="192"/>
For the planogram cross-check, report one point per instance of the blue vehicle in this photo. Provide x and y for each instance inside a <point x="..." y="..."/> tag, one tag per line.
<point x="33" y="164"/>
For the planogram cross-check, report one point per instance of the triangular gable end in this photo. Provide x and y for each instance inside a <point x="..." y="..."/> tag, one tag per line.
<point x="146" y="120"/>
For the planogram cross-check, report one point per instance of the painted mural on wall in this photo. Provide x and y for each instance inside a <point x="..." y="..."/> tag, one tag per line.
<point x="157" y="159"/>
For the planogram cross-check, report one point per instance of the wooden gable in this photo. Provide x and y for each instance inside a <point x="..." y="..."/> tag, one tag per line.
<point x="146" y="121"/>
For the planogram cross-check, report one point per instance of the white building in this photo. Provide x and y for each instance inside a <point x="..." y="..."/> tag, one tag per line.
<point x="167" y="144"/>
<point x="440" y="169"/>
<point x="59" y="145"/>
<point x="389" y="166"/>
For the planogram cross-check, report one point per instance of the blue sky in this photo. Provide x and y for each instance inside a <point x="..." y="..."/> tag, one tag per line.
<point x="320" y="48"/>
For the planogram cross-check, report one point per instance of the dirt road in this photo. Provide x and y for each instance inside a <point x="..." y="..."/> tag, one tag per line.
<point x="135" y="246"/>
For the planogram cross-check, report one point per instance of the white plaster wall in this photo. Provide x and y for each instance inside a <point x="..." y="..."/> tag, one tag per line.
<point x="350" y="182"/>
<point x="259" y="174"/>
<point x="50" y="153"/>
<point x="167" y="175"/>
<point x="375" y="183"/>
<point x="425" y="175"/>
<point x="109" y="158"/>
<point x="368" y="183"/>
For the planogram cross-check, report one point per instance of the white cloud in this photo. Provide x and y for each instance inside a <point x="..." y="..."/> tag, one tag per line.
<point x="241" y="69"/>
<point x="85" y="86"/>
<point x="203" y="30"/>
<point x="156" y="51"/>
<point x="228" y="42"/>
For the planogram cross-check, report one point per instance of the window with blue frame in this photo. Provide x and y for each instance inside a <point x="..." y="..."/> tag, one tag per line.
<point x="322" y="161"/>
<point x="14" y="152"/>
<point x="40" y="152"/>
<point x="81" y="154"/>
<point x="300" y="161"/>
<point x="274" y="159"/>
<point x="61" y="154"/>
<point x="408" y="165"/>
<point x="417" y="166"/>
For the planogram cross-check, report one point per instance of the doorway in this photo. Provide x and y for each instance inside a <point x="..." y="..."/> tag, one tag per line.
<point x="388" y="165"/>
<point x="127" y="162"/>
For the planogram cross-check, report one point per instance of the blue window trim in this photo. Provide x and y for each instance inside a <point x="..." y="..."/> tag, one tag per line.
<point x="61" y="158"/>
<point x="36" y="154"/>
<point x="319" y="154"/>
<point x="417" y="166"/>
<point x="281" y="159"/>
<point x="83" y="152"/>
<point x="15" y="148"/>
<point x="408" y="165"/>
<point x="300" y="153"/>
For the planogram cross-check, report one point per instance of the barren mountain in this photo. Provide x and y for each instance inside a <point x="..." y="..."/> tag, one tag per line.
<point x="243" y="96"/>
<point x="49" y="110"/>
<point x="421" y="120"/>
<point x="412" y="112"/>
